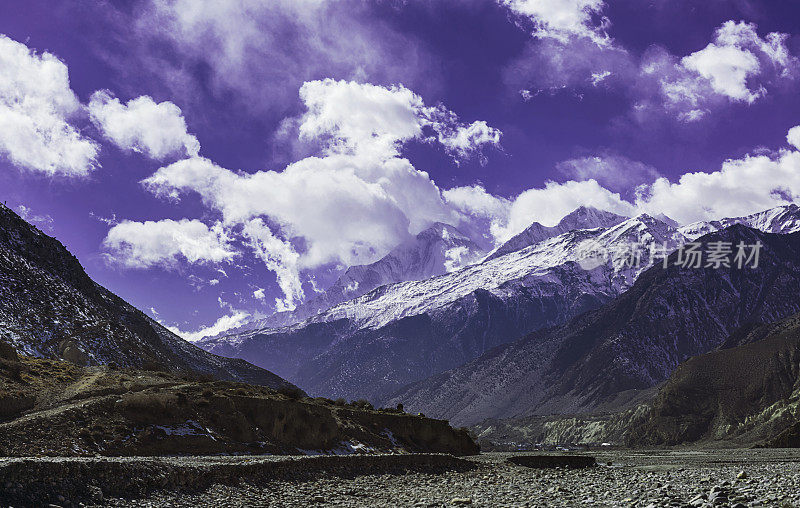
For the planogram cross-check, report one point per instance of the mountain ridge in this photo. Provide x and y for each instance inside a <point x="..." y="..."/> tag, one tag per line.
<point x="630" y="343"/>
<point x="50" y="307"/>
<point x="584" y="217"/>
<point x="403" y="332"/>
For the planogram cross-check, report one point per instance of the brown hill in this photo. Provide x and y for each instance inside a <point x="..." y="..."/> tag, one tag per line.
<point x="748" y="393"/>
<point x="50" y="407"/>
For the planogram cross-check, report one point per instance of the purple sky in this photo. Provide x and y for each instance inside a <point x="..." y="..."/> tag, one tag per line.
<point x="515" y="110"/>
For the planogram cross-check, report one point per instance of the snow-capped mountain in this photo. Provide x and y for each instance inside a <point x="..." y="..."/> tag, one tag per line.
<point x="609" y="271"/>
<point x="598" y="359"/>
<point x="403" y="332"/>
<point x="50" y="308"/>
<point x="782" y="219"/>
<point x="584" y="217"/>
<point x="439" y="249"/>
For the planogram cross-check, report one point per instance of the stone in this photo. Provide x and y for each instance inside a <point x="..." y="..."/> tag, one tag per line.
<point x="95" y="493"/>
<point x="461" y="500"/>
<point x="554" y="461"/>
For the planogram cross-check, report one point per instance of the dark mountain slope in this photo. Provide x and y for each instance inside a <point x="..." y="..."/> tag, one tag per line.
<point x="749" y="393"/>
<point x="49" y="307"/>
<point x="631" y="343"/>
<point x="337" y="359"/>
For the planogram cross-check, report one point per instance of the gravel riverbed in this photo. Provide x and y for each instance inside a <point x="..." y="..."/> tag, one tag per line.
<point x="734" y="478"/>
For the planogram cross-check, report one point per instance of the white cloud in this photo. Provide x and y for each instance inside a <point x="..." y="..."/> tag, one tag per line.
<point x="462" y="141"/>
<point x="221" y="325"/>
<point x="615" y="172"/>
<point x="561" y="19"/>
<point x="142" y="125"/>
<point x="258" y="294"/>
<point x="549" y="204"/>
<point x="374" y="120"/>
<point x="742" y="186"/>
<point x="475" y="201"/>
<point x="280" y="257"/>
<point x="737" y="66"/>
<point x="264" y="51"/>
<point x="727" y="68"/>
<point x="599" y="77"/>
<point x="793" y="137"/>
<point x="43" y="221"/>
<point x="164" y="243"/>
<point x="349" y="206"/>
<point x="360" y="117"/>
<point x="481" y="212"/>
<point x="36" y="104"/>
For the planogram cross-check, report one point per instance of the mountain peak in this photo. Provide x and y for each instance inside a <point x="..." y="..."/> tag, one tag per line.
<point x="583" y="217"/>
<point x="586" y="217"/>
<point x="440" y="231"/>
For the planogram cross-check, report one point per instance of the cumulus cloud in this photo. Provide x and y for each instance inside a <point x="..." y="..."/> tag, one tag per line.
<point x="742" y="186"/>
<point x="155" y="129"/>
<point x="562" y="19"/>
<point x="351" y="204"/>
<point x="346" y="209"/>
<point x="475" y="201"/>
<point x="736" y="56"/>
<point x="164" y="243"/>
<point x="36" y="106"/>
<point x="374" y="120"/>
<point x="482" y="213"/>
<point x="462" y="141"/>
<point x="547" y="205"/>
<point x="737" y="66"/>
<point x="793" y="137"/>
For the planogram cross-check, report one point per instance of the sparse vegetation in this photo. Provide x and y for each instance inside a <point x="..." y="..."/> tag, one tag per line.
<point x="292" y="392"/>
<point x="127" y="412"/>
<point x="362" y="404"/>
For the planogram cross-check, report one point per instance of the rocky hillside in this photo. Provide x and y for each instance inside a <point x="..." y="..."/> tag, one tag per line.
<point x="748" y="393"/>
<point x="600" y="359"/>
<point x="50" y="407"/>
<point x="49" y="307"/>
<point x="401" y="333"/>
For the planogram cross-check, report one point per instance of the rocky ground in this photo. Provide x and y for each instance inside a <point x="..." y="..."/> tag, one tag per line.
<point x="734" y="478"/>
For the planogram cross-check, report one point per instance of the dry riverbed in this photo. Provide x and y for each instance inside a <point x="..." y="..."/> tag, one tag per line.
<point x="633" y="478"/>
